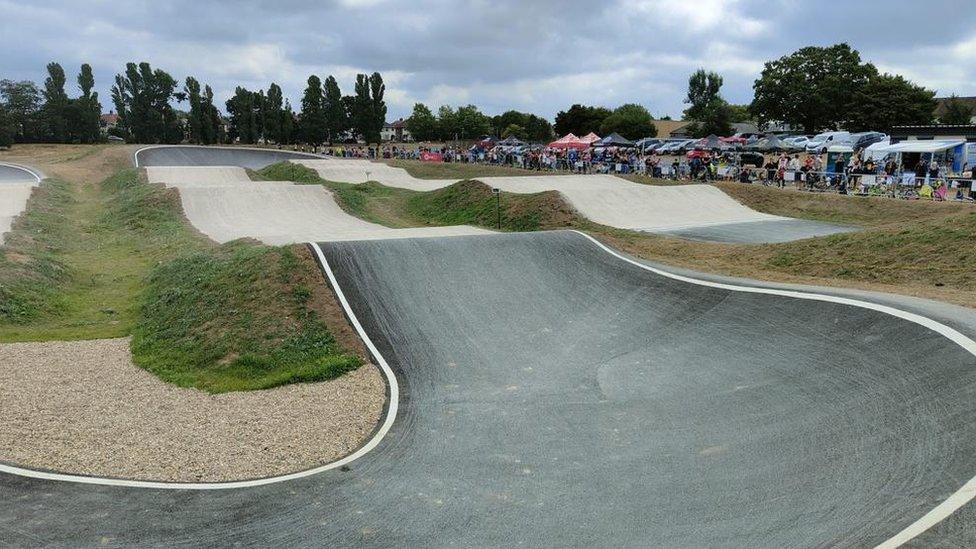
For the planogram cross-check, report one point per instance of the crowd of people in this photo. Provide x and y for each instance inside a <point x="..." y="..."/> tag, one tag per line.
<point x="846" y="173"/>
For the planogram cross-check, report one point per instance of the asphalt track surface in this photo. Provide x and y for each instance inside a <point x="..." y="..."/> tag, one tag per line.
<point x="16" y="185"/>
<point x="699" y="212"/>
<point x="554" y="395"/>
<point x="192" y="155"/>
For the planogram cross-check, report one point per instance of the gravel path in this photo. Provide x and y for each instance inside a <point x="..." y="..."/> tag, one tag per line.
<point x="82" y="407"/>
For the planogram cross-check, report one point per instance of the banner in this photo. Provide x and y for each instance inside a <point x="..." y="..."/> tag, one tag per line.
<point x="431" y="157"/>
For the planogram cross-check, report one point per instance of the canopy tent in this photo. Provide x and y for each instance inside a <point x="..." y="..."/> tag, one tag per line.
<point x="487" y="142"/>
<point x="953" y="151"/>
<point x="917" y="146"/>
<point x="710" y="143"/>
<point x="614" y="140"/>
<point x="733" y="140"/>
<point x="771" y="143"/>
<point x="877" y="151"/>
<point x="511" y="141"/>
<point x="569" y="141"/>
<point x="590" y="138"/>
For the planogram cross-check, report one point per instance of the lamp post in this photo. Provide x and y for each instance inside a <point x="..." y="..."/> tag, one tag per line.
<point x="498" y="209"/>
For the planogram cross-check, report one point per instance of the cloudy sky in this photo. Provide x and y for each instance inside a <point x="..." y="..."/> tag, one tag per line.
<point x="534" y="55"/>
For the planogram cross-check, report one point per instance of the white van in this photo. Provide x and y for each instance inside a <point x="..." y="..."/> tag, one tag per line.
<point x="819" y="143"/>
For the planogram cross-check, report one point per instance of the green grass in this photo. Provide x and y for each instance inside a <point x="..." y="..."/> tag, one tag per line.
<point x="117" y="259"/>
<point x="457" y="170"/>
<point x="288" y="171"/>
<point x="233" y="319"/>
<point x="467" y="202"/>
<point x="472" y="203"/>
<point x="32" y="270"/>
<point x="95" y="245"/>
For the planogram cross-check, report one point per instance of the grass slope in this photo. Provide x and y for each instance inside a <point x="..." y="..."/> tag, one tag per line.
<point x="32" y="270"/>
<point x="236" y="318"/>
<point x="864" y="211"/>
<point x="457" y="170"/>
<point x="472" y="203"/>
<point x="118" y="258"/>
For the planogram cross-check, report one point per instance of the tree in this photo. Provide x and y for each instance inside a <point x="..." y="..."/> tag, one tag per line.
<point x="7" y="128"/>
<point x="244" y="109"/>
<point x="739" y="113"/>
<point x="56" y="104"/>
<point x="274" y="113"/>
<point x="631" y="121"/>
<point x="464" y="123"/>
<point x="22" y="102"/>
<point x="956" y="112"/>
<point x="709" y="113"/>
<point x="142" y="100"/>
<point x="581" y="120"/>
<point x="336" y="117"/>
<point x="314" y="129"/>
<point x="288" y="124"/>
<point x="535" y="128"/>
<point x="422" y="124"/>
<point x="514" y="130"/>
<point x="368" y="114"/>
<point x="89" y="110"/>
<point x="811" y="88"/>
<point x="889" y="100"/>
<point x="377" y="112"/>
<point x="195" y="122"/>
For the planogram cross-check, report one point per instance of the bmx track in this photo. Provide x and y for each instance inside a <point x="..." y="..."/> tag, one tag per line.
<point x="699" y="212"/>
<point x="16" y="185"/>
<point x="222" y="202"/>
<point x="547" y="391"/>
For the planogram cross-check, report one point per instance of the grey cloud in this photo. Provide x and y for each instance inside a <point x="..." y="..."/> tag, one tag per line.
<point x="539" y="56"/>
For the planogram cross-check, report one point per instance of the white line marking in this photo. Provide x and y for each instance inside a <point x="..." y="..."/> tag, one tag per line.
<point x="365" y="449"/>
<point x="963" y="495"/>
<point x="37" y="175"/>
<point x="135" y="155"/>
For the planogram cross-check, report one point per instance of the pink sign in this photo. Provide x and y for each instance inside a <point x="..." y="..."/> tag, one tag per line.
<point x="431" y="157"/>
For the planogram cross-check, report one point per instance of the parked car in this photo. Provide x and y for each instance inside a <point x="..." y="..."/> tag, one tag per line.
<point x="865" y="139"/>
<point x="818" y="144"/>
<point x="685" y="146"/>
<point x="798" y="141"/>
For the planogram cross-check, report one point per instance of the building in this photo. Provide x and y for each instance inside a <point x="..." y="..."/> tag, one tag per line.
<point x="396" y="131"/>
<point x="670" y="128"/>
<point x="967" y="101"/>
<point x="939" y="132"/>
<point x="108" y="122"/>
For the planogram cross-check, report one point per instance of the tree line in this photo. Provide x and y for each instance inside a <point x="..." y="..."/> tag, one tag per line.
<point x="29" y="113"/>
<point x="144" y="99"/>
<point x="467" y="123"/>
<point x="813" y="89"/>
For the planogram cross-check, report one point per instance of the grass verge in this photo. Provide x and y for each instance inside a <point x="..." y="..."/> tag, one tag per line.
<point x="33" y="272"/>
<point x="236" y="318"/>
<point x="118" y="258"/>
<point x="471" y="202"/>
<point x="458" y="170"/>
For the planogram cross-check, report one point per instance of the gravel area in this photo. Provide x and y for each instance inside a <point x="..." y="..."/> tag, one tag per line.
<point x="82" y="407"/>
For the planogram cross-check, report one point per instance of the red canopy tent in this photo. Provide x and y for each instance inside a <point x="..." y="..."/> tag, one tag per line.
<point x="569" y="141"/>
<point x="590" y="138"/>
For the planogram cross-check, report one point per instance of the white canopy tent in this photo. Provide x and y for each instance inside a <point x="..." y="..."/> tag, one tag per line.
<point x="919" y="146"/>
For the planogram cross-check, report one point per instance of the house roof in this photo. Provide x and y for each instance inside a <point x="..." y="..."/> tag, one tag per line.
<point x="666" y="127"/>
<point x="941" y="104"/>
<point x="110" y="118"/>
